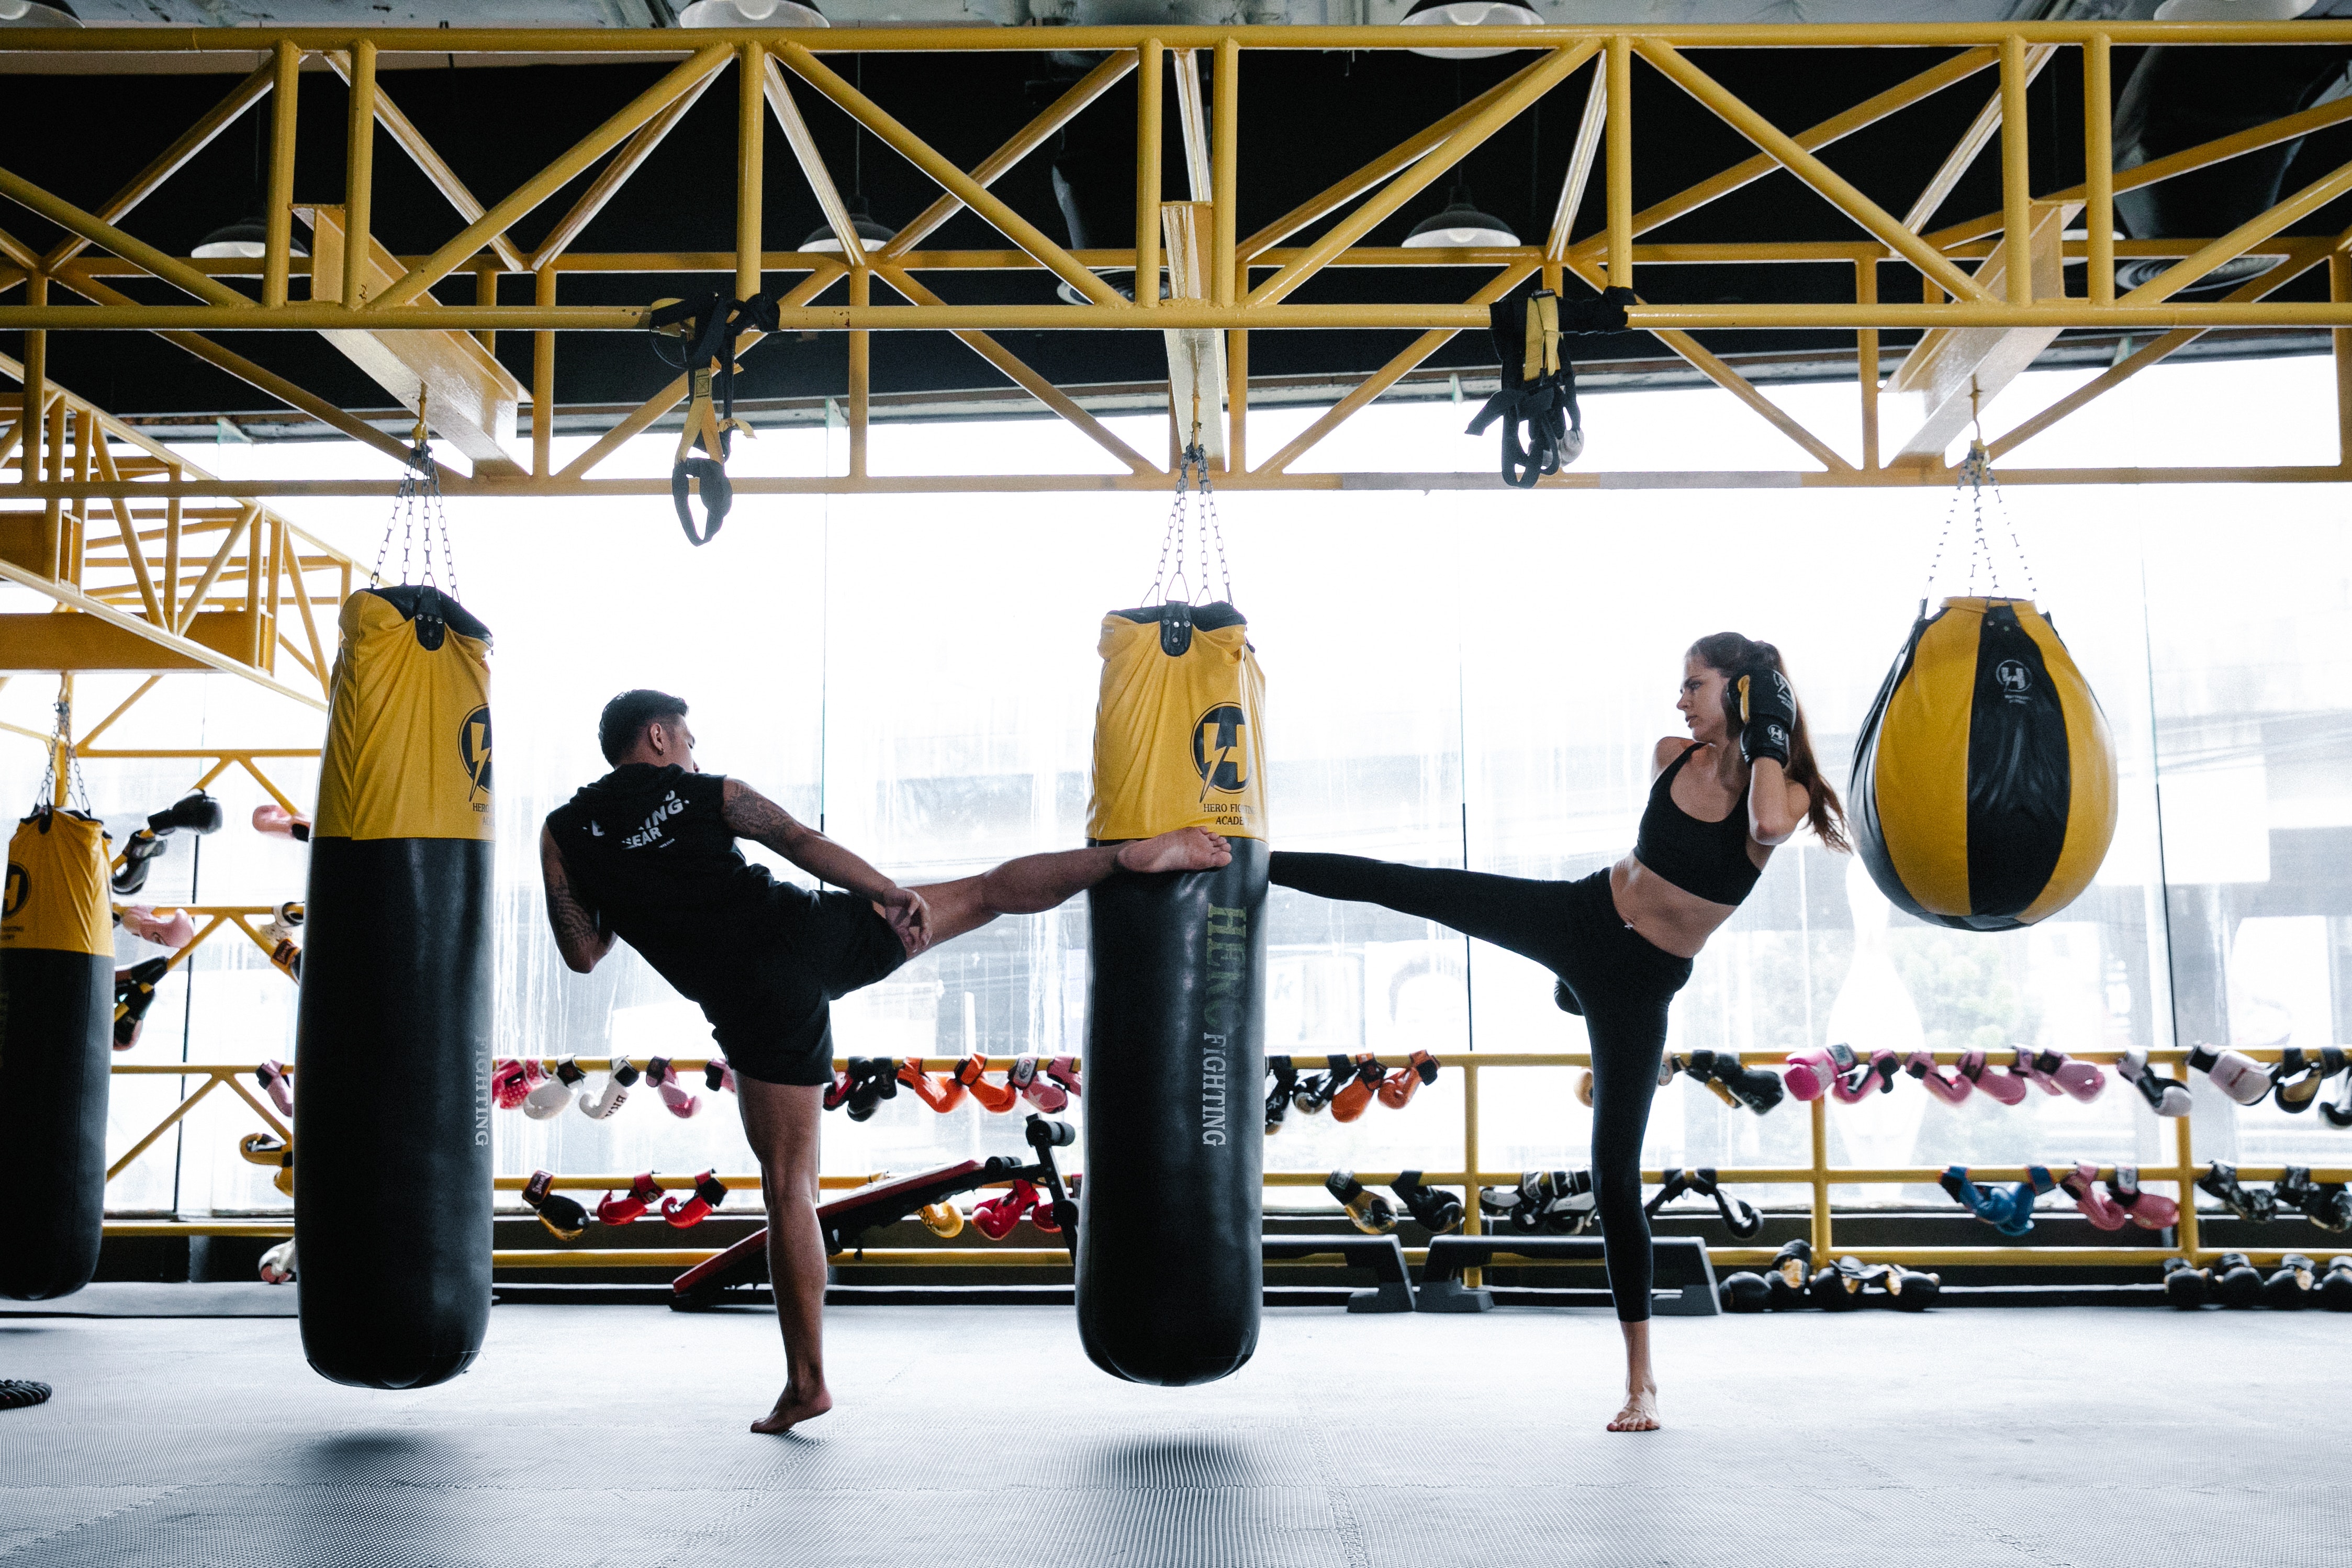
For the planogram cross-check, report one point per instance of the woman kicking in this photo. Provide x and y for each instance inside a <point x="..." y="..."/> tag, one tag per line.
<point x="1621" y="940"/>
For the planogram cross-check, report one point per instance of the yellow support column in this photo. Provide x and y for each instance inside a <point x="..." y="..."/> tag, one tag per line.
<point x="2098" y="168"/>
<point x="750" y="174"/>
<point x="359" y="174"/>
<point x="1471" y="1223"/>
<point x="2016" y="172"/>
<point x="1619" y="111"/>
<point x="542" y="376"/>
<point x="30" y="424"/>
<point x="1224" y="158"/>
<point x="1150" y="78"/>
<point x="278" y="218"/>
<point x="861" y="284"/>
<point x="1821" y="1109"/>
<point x="1865" y="292"/>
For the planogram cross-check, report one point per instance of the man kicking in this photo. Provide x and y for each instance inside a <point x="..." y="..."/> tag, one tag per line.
<point x="647" y="854"/>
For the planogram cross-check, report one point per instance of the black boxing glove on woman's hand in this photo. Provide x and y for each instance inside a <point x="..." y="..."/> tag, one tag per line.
<point x="1767" y="710"/>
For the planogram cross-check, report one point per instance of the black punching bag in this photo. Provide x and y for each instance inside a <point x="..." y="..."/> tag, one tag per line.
<point x="391" y="1157"/>
<point x="1169" y="1270"/>
<point x="56" y="1035"/>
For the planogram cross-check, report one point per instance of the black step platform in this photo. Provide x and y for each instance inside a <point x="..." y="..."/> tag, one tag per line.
<point x="1685" y="1279"/>
<point x="1383" y="1255"/>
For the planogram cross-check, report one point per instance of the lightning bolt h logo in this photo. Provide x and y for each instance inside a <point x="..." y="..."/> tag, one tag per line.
<point x="1217" y="752"/>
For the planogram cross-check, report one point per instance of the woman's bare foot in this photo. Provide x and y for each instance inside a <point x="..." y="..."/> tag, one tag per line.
<point x="1640" y="1412"/>
<point x="793" y="1409"/>
<point x="1185" y="849"/>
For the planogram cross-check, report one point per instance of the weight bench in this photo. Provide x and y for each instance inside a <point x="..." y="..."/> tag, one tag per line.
<point x="1383" y="1255"/>
<point x="1681" y="1262"/>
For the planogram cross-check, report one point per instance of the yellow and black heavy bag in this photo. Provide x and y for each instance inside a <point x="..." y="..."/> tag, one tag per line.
<point x="1984" y="780"/>
<point x="1169" y="1273"/>
<point x="392" y="1174"/>
<point x="57" y="1034"/>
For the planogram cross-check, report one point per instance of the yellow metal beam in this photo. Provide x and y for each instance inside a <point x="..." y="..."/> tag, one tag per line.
<point x="1531" y="84"/>
<point x="613" y="176"/>
<point x="190" y="142"/>
<point x="1034" y="135"/>
<point x="1834" y="186"/>
<point x="552" y="179"/>
<point x="448" y="377"/>
<point x="430" y="164"/>
<point x="1010" y="224"/>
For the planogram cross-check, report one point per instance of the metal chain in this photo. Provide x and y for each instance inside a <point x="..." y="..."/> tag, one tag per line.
<point x="61" y="739"/>
<point x="420" y="490"/>
<point x="1975" y="475"/>
<point x="1191" y="471"/>
<point x="1211" y="531"/>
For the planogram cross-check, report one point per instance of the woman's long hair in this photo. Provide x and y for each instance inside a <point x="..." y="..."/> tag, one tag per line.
<point x="1734" y="654"/>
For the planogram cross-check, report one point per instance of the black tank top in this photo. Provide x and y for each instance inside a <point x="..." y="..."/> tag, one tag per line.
<point x="1705" y="860"/>
<point x="647" y="848"/>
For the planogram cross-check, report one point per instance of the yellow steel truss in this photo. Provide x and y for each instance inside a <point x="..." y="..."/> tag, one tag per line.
<point x="1978" y="292"/>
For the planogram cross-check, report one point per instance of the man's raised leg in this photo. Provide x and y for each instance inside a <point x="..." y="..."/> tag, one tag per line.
<point x="1035" y="883"/>
<point x="783" y="1121"/>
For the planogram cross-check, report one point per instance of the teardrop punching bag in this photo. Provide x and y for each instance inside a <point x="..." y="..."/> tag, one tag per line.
<point x="391" y="1162"/>
<point x="1169" y="1269"/>
<point x="1983" y="794"/>
<point x="56" y="1033"/>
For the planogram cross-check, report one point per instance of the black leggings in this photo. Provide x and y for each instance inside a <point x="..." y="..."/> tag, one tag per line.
<point x="1621" y="982"/>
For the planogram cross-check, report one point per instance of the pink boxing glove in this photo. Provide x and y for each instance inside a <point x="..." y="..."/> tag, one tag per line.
<point x="1807" y="1074"/>
<point x="273" y="1077"/>
<point x="279" y="820"/>
<point x="1037" y="1089"/>
<point x="2084" y="1081"/>
<point x="664" y="1079"/>
<point x="1942" y="1082"/>
<point x="2005" y="1086"/>
<point x="174" y="930"/>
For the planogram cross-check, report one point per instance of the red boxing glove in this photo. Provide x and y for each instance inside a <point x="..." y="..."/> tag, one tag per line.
<point x="1356" y="1093"/>
<point x="972" y="1073"/>
<point x="642" y="1191"/>
<point x="709" y="1193"/>
<point x="1398" y="1087"/>
<point x="941" y="1095"/>
<point x="511" y="1082"/>
<point x="996" y="1217"/>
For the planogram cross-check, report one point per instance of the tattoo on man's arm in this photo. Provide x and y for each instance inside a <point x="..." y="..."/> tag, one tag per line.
<point x="748" y="813"/>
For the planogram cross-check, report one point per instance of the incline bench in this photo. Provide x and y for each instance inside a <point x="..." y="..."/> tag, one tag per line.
<point x="1681" y="1260"/>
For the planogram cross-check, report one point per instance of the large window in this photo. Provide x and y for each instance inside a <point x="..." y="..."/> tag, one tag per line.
<point x="1457" y="678"/>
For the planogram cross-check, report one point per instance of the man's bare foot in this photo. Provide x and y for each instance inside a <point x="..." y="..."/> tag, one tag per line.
<point x="1640" y="1412"/>
<point x="790" y="1410"/>
<point x="1185" y="849"/>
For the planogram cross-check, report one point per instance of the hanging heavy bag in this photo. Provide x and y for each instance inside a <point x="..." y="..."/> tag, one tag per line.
<point x="391" y="1195"/>
<point x="1539" y="380"/>
<point x="57" y="1026"/>
<point x="1983" y="794"/>
<point x="1169" y="1273"/>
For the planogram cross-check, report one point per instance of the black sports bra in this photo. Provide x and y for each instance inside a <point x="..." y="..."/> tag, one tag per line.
<point x="1705" y="860"/>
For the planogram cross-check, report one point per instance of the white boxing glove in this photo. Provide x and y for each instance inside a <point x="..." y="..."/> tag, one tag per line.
<point x="613" y="1095"/>
<point x="2240" y="1077"/>
<point x="549" y="1098"/>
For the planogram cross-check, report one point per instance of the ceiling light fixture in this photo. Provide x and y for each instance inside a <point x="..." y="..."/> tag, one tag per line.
<point x="26" y="14"/>
<point x="746" y="14"/>
<point x="1460" y="225"/>
<point x="871" y="234"/>
<point x="1469" y="14"/>
<point x="246" y="238"/>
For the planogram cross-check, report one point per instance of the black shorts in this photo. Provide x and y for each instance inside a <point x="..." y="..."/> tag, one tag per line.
<point x="775" y="1022"/>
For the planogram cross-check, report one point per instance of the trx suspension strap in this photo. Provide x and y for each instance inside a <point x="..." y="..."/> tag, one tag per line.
<point x="1539" y="388"/>
<point x="705" y="326"/>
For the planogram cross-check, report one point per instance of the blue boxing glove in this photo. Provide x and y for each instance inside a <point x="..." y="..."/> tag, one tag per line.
<point x="1761" y="701"/>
